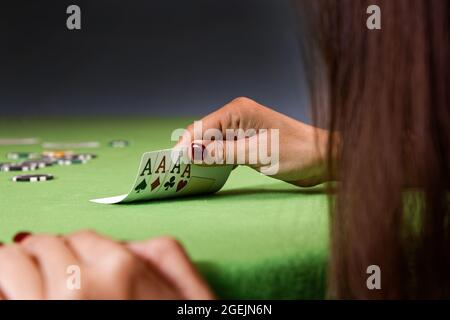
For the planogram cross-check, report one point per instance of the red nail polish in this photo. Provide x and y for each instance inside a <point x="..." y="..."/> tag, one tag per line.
<point x="20" y="236"/>
<point x="198" y="151"/>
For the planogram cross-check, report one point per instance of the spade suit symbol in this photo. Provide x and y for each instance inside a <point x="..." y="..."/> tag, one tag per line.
<point x="141" y="186"/>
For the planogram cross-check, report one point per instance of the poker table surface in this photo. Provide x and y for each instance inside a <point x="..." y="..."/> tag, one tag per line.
<point x="257" y="238"/>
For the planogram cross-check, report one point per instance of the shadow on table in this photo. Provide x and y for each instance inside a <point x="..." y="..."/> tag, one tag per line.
<point x="258" y="190"/>
<point x="264" y="191"/>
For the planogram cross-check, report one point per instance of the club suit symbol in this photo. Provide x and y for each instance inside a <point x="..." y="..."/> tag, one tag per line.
<point x="170" y="183"/>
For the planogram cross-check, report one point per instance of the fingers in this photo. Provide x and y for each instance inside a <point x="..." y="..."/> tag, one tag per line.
<point x="112" y="269"/>
<point x="20" y="277"/>
<point x="242" y="132"/>
<point x="91" y="247"/>
<point x="238" y="152"/>
<point x="237" y="114"/>
<point x="219" y="120"/>
<point x="156" y="269"/>
<point x="54" y="257"/>
<point x="169" y="259"/>
<point x="119" y="272"/>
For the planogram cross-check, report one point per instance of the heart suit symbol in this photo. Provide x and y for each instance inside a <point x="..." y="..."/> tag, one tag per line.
<point x="181" y="184"/>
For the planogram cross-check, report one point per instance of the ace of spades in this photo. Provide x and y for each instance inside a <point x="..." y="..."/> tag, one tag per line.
<point x="141" y="186"/>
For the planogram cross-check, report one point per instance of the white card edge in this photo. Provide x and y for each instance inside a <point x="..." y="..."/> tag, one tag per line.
<point x="110" y="200"/>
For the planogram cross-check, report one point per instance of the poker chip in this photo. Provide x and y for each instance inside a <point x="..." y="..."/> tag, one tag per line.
<point x="17" y="167"/>
<point x="119" y="143"/>
<point x="33" y="178"/>
<point x="56" y="154"/>
<point x="81" y="156"/>
<point x="22" y="155"/>
<point x="39" y="163"/>
<point x="68" y="162"/>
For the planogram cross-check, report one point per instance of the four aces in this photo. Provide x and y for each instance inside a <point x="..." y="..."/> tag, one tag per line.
<point x="164" y="165"/>
<point x="164" y="174"/>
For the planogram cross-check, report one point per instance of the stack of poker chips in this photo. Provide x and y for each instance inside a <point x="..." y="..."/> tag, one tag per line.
<point x="28" y="161"/>
<point x="33" y="178"/>
<point x="31" y="161"/>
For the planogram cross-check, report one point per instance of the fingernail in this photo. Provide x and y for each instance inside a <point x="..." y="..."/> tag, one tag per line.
<point x="198" y="152"/>
<point x="20" y="236"/>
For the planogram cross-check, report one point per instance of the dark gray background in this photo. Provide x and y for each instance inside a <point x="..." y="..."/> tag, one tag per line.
<point x="143" y="57"/>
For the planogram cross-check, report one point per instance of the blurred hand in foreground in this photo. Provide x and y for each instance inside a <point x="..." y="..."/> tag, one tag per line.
<point x="40" y="266"/>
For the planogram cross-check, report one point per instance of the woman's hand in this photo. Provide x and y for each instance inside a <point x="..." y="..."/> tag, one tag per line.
<point x="302" y="148"/>
<point x="37" y="268"/>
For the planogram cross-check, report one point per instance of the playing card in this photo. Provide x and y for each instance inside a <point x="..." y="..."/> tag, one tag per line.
<point x="164" y="174"/>
<point x="144" y="185"/>
<point x="140" y="189"/>
<point x="160" y="171"/>
<point x="176" y="177"/>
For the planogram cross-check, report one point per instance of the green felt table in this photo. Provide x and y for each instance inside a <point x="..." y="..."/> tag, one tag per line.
<point x="256" y="238"/>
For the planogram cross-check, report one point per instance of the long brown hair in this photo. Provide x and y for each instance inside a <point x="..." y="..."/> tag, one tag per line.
<point x="386" y="93"/>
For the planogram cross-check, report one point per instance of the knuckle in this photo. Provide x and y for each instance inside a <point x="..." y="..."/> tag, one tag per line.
<point x="242" y="101"/>
<point x="119" y="263"/>
<point x="241" y="106"/>
<point x="190" y="127"/>
<point x="39" y="241"/>
<point x="163" y="245"/>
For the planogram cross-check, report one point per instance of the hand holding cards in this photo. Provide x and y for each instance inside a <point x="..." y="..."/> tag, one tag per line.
<point x="168" y="173"/>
